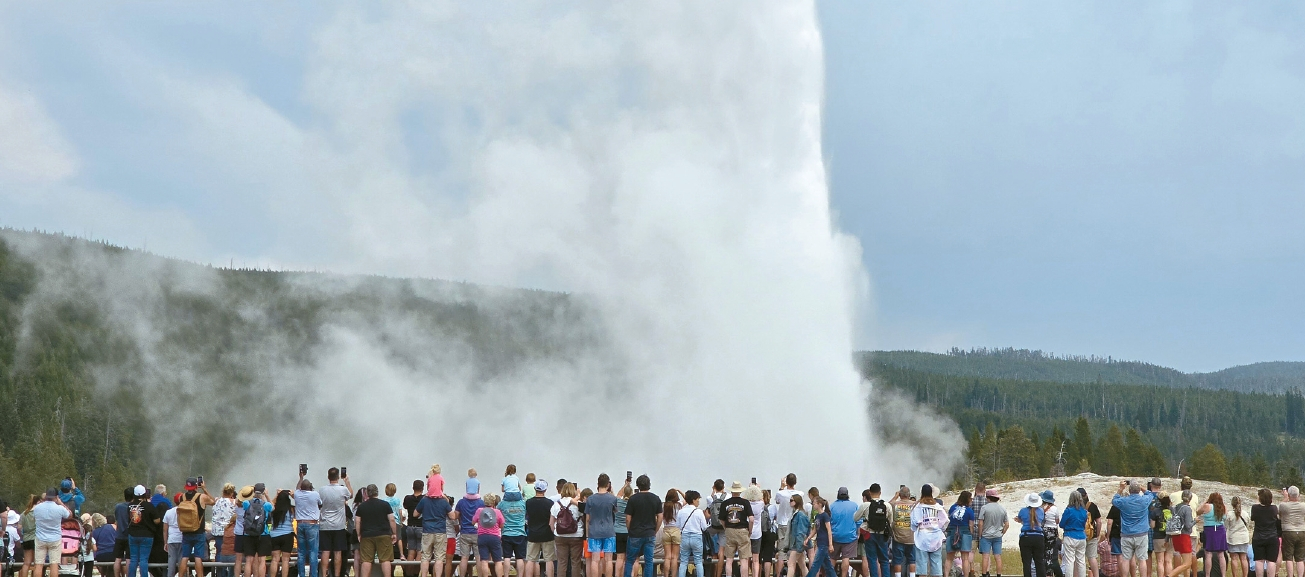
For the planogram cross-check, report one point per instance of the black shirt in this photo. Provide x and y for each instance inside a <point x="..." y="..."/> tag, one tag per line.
<point x="144" y="519"/>
<point x="1113" y="517"/>
<point x="410" y="505"/>
<point x="199" y="504"/>
<point x="538" y="511"/>
<point x="736" y="513"/>
<point x="1266" y="522"/>
<point x="374" y="514"/>
<point x="643" y="510"/>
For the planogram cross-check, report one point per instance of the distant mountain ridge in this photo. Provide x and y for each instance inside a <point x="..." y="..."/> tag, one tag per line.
<point x="1273" y="377"/>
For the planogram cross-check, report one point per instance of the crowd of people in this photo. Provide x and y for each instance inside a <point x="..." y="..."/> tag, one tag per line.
<point x="527" y="526"/>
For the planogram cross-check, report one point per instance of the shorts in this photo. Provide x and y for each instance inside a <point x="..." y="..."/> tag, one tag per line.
<point x="48" y="552"/>
<point x="432" y="547"/>
<point x="257" y="546"/>
<point x="284" y="543"/>
<point x="1182" y="544"/>
<point x="1092" y="549"/>
<point x="194" y="545"/>
<point x="1293" y="546"/>
<point x="754" y="545"/>
<point x="1134" y="547"/>
<point x="607" y="545"/>
<point x="329" y="541"/>
<point x="670" y="536"/>
<point x="967" y="543"/>
<point x="737" y="541"/>
<point x="378" y="548"/>
<point x="412" y="538"/>
<point x="545" y="551"/>
<point x="120" y="548"/>
<point x="842" y="551"/>
<point x="467" y="546"/>
<point x="903" y="554"/>
<point x="489" y="548"/>
<point x="1163" y="545"/>
<point x="514" y="547"/>
<point x="782" y="543"/>
<point x="1116" y="548"/>
<point x="1265" y="548"/>
<point x="990" y="545"/>
<point x="451" y="545"/>
<point x="622" y="540"/>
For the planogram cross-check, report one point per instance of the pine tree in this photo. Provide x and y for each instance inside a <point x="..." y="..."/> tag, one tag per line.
<point x="1260" y="474"/>
<point x="1239" y="470"/>
<point x="1110" y="453"/>
<point x="1287" y="474"/>
<point x="1083" y="441"/>
<point x="1208" y="463"/>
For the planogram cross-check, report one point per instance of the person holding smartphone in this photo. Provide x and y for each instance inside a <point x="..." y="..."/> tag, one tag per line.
<point x="333" y="537"/>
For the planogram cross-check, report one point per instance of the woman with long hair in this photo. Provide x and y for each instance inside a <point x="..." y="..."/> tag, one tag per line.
<point x="671" y="535"/>
<point x="960" y="540"/>
<point x="570" y="546"/>
<point x="769" y="534"/>
<point x="754" y="497"/>
<point x="1214" y="534"/>
<point x="622" y="531"/>
<point x="812" y="495"/>
<point x="929" y="523"/>
<point x="1238" y="529"/>
<point x="1264" y="537"/>
<point x="282" y="534"/>
<point x="1033" y="545"/>
<point x="27" y="526"/>
<point x="1180" y="533"/>
<point x="798" y="529"/>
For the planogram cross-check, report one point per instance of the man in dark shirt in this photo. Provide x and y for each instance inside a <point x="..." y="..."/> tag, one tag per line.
<point x="122" y="521"/>
<point x="140" y="535"/>
<point x="377" y="532"/>
<point x="540" y="542"/>
<point x="736" y="516"/>
<point x="642" y="519"/>
<point x="433" y="513"/>
<point x="412" y="532"/>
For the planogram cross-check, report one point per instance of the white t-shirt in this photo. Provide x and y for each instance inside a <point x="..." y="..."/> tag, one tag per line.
<point x="757" y="508"/>
<point x="784" y="511"/>
<point x="579" y="519"/>
<point x="174" y="532"/>
<point x="691" y="520"/>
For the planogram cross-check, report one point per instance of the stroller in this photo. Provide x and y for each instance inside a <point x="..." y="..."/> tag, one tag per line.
<point x="72" y="540"/>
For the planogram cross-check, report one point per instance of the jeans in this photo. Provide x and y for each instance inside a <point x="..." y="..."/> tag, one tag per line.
<point x="691" y="545"/>
<point x="821" y="562"/>
<point x="635" y="547"/>
<point x="928" y="562"/>
<point x="878" y="552"/>
<point x="308" y="535"/>
<point x="139" y="548"/>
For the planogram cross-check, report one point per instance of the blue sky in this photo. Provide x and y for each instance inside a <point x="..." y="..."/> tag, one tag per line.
<point x="1104" y="178"/>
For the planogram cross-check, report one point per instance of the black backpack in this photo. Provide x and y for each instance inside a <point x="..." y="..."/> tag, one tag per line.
<point x="877" y="517"/>
<point x="255" y="518"/>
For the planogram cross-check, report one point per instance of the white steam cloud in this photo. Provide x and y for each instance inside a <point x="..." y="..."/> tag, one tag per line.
<point x="660" y="160"/>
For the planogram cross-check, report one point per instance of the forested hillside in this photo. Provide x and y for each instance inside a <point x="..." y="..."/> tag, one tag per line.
<point x="1018" y="426"/>
<point x="1026" y="365"/>
<point x="119" y="367"/>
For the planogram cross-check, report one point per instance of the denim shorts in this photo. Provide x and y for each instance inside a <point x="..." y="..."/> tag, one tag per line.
<point x="193" y="545"/>
<point x="903" y="554"/>
<point x="967" y="543"/>
<point x="607" y="545"/>
<point x="990" y="545"/>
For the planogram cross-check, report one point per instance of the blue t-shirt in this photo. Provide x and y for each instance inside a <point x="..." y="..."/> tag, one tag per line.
<point x="1030" y="526"/>
<point x="822" y="536"/>
<point x="514" y="518"/>
<point x="1073" y="520"/>
<point x="467" y="514"/>
<point x="960" y="517"/>
<point x="434" y="513"/>
<point x="49" y="516"/>
<point x="1134" y="518"/>
<point x="842" y="514"/>
<point x="286" y="527"/>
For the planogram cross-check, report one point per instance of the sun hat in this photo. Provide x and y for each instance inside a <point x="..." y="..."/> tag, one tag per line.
<point x="1032" y="500"/>
<point x="1048" y="497"/>
<point x="246" y="492"/>
<point x="736" y="487"/>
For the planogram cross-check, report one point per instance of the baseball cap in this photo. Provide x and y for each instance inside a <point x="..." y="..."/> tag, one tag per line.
<point x="259" y="487"/>
<point x="51" y="493"/>
<point x="541" y="486"/>
<point x="736" y="487"/>
<point x="192" y="484"/>
<point x="992" y="493"/>
<point x="842" y="492"/>
<point x="66" y="485"/>
<point x="139" y="490"/>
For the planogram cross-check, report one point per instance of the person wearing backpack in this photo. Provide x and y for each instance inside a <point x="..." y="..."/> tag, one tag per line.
<point x="190" y="519"/>
<point x="256" y="512"/>
<point x="872" y="516"/>
<point x="489" y="536"/>
<point x="378" y="533"/>
<point x="566" y="523"/>
<point x="712" y="538"/>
